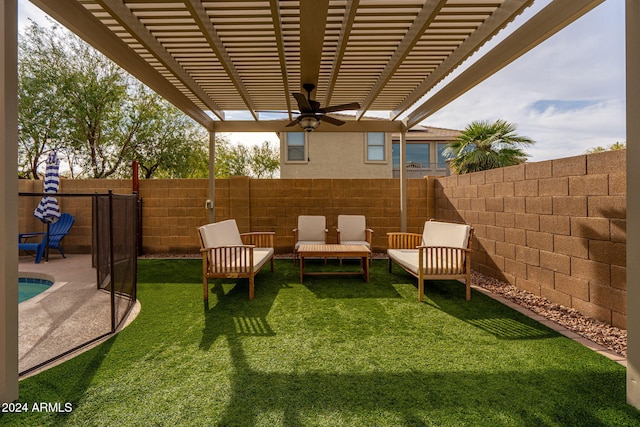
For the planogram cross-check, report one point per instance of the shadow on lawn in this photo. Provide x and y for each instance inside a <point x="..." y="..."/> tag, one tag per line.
<point x="411" y="396"/>
<point x="498" y="320"/>
<point x="379" y="285"/>
<point x="223" y="319"/>
<point x="425" y="398"/>
<point x="67" y="383"/>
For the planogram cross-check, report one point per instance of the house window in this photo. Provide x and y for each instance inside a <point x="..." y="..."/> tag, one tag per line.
<point x="375" y="146"/>
<point x="295" y="146"/>
<point x="417" y="155"/>
<point x="442" y="161"/>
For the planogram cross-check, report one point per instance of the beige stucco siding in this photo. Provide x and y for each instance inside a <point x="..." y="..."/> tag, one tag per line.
<point x="335" y="155"/>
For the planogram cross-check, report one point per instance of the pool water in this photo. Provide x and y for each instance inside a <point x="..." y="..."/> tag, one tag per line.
<point x="29" y="287"/>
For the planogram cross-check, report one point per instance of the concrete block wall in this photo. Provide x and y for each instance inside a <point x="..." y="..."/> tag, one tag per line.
<point x="79" y="238"/>
<point x="172" y="210"/>
<point x="274" y="205"/>
<point x="26" y="206"/>
<point x="555" y="228"/>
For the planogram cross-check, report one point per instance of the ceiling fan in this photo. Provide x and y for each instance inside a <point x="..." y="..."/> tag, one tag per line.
<point x="311" y="114"/>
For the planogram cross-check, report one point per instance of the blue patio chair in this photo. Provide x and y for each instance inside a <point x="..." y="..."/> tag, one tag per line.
<point x="57" y="231"/>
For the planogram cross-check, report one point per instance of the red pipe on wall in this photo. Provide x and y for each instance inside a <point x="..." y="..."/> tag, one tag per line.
<point x="134" y="175"/>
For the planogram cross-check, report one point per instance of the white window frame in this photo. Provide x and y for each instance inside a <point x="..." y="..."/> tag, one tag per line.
<point x="367" y="146"/>
<point x="304" y="148"/>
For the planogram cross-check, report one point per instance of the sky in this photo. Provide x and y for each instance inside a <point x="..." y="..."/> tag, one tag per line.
<point x="567" y="94"/>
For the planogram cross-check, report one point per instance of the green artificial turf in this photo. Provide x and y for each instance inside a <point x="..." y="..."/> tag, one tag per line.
<point x="329" y="352"/>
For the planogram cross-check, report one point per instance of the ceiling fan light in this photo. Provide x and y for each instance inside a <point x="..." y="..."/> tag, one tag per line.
<point x="308" y="123"/>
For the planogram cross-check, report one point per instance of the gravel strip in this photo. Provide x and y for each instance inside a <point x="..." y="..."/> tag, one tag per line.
<point x="615" y="339"/>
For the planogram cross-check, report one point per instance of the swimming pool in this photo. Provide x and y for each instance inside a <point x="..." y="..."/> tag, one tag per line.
<point x="29" y="287"/>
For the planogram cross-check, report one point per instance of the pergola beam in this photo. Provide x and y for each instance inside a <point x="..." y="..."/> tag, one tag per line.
<point x="72" y="15"/>
<point x="505" y="14"/>
<point x="313" y="21"/>
<point x="277" y="29"/>
<point x="412" y="37"/>
<point x="133" y="25"/>
<point x="280" y="126"/>
<point x="553" y="18"/>
<point x="204" y="22"/>
<point x="350" y="15"/>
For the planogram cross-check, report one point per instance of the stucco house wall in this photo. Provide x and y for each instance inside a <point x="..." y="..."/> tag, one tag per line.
<point x="343" y="155"/>
<point x="432" y="136"/>
<point x="335" y="155"/>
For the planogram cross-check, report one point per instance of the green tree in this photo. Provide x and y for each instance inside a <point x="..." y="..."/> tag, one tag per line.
<point x="265" y="160"/>
<point x="484" y="145"/>
<point x="168" y="144"/>
<point x="75" y="100"/>
<point x="261" y="161"/>
<point x="102" y="116"/>
<point x="613" y="147"/>
<point x="231" y="159"/>
<point x="41" y="115"/>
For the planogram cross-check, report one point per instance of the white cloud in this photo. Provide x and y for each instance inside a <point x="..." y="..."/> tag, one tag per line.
<point x="569" y="133"/>
<point x="579" y="65"/>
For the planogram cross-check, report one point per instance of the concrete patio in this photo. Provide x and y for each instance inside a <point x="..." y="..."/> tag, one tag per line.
<point x="72" y="312"/>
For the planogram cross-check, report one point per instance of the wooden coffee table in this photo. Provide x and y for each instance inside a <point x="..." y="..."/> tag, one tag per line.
<point x="335" y="251"/>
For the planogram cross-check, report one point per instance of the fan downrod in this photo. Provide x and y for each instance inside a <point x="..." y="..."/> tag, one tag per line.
<point x="309" y="87"/>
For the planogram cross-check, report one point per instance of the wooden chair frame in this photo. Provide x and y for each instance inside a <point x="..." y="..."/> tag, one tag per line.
<point x="443" y="261"/>
<point x="242" y="256"/>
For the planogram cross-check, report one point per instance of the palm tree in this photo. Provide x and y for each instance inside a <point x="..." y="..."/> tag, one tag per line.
<point x="484" y="145"/>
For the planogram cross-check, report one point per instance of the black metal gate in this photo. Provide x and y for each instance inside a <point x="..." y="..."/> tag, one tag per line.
<point x="115" y="253"/>
<point x="114" y="257"/>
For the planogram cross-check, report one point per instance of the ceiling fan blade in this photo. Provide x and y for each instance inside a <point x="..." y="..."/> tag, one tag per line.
<point x="331" y="120"/>
<point x="277" y="111"/>
<point x="303" y="102"/>
<point x="292" y="123"/>
<point x="350" y="106"/>
<point x="315" y="105"/>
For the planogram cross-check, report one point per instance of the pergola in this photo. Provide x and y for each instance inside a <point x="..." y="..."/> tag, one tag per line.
<point x="215" y="58"/>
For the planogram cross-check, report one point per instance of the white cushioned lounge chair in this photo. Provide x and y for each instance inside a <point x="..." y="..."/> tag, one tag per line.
<point x="442" y="251"/>
<point x="228" y="254"/>
<point x="352" y="230"/>
<point x="311" y="230"/>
